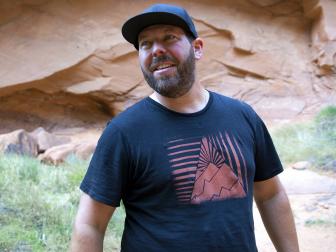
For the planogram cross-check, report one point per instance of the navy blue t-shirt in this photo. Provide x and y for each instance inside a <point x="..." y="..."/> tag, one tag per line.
<point x="186" y="180"/>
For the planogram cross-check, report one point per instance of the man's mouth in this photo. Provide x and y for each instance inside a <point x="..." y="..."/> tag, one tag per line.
<point x="164" y="69"/>
<point x="163" y="66"/>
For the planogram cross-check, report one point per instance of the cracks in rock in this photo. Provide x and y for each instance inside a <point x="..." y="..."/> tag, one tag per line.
<point x="320" y="87"/>
<point x="225" y="32"/>
<point x="125" y="93"/>
<point x="249" y="93"/>
<point x="116" y="58"/>
<point x="103" y="105"/>
<point x="243" y="51"/>
<point x="235" y="71"/>
<point x="253" y="2"/>
<point x="212" y="76"/>
<point x="108" y="97"/>
<point x="268" y="8"/>
<point x="325" y="84"/>
<point x="304" y="107"/>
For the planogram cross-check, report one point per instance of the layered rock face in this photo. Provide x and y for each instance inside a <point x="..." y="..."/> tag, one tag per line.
<point x="65" y="64"/>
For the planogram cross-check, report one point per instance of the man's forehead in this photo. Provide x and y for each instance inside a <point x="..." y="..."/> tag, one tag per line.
<point x="159" y="28"/>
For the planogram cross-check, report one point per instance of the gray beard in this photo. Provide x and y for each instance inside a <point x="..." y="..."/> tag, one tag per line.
<point x="173" y="86"/>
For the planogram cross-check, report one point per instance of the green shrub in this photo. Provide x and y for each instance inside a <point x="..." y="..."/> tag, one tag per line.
<point x="314" y="141"/>
<point x="38" y="203"/>
<point x="325" y="123"/>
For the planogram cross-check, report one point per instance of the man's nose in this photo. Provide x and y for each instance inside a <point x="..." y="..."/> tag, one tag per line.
<point x="158" y="49"/>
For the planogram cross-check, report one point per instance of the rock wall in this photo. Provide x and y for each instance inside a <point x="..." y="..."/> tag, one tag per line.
<point x="65" y="64"/>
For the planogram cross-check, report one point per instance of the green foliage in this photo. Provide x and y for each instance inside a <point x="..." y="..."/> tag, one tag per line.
<point x="326" y="123"/>
<point x="326" y="114"/>
<point x="38" y="203"/>
<point x="314" y="141"/>
<point x="320" y="222"/>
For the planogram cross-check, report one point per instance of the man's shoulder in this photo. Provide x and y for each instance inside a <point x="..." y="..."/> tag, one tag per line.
<point x="134" y="109"/>
<point x="132" y="114"/>
<point x="231" y="102"/>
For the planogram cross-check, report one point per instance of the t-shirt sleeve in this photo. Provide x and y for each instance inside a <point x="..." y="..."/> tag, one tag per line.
<point x="267" y="161"/>
<point x="105" y="178"/>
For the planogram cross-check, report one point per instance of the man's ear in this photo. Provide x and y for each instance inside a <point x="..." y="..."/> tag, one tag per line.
<point x="198" y="48"/>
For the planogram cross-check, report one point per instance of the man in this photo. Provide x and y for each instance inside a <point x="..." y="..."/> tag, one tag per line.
<point x="186" y="162"/>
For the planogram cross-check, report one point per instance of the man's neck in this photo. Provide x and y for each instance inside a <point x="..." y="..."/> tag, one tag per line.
<point x="193" y="101"/>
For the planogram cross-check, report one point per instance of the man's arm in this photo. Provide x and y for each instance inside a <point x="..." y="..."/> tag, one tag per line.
<point x="275" y="211"/>
<point x="90" y="225"/>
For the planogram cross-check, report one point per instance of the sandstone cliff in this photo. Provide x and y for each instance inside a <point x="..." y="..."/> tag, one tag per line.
<point x="65" y="64"/>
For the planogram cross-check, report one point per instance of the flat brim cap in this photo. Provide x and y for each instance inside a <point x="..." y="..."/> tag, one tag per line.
<point x="157" y="14"/>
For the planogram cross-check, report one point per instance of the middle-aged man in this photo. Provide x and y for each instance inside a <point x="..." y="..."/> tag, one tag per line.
<point x="186" y="162"/>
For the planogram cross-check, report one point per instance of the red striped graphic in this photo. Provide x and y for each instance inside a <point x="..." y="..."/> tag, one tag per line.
<point x="207" y="168"/>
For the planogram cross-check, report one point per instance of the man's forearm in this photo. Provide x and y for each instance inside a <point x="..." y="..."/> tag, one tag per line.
<point x="279" y="222"/>
<point x="86" y="238"/>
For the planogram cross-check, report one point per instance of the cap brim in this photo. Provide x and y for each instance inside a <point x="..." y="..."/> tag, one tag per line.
<point x="135" y="25"/>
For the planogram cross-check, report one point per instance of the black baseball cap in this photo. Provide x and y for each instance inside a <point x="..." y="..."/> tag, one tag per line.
<point x="157" y="14"/>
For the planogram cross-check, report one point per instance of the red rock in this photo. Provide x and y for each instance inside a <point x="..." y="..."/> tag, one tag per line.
<point x="278" y="56"/>
<point x="58" y="154"/>
<point x="302" y="165"/>
<point x="46" y="140"/>
<point x="18" y="142"/>
<point x="85" y="150"/>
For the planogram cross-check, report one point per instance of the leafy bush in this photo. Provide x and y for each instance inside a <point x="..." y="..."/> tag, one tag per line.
<point x="326" y="124"/>
<point x="314" y="141"/>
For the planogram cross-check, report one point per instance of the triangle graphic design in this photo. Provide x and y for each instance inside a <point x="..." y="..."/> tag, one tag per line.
<point x="214" y="180"/>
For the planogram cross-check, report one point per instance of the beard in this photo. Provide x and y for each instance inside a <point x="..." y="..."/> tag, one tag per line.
<point x="177" y="85"/>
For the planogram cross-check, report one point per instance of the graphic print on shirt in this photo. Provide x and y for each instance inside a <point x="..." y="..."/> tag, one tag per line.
<point x="207" y="168"/>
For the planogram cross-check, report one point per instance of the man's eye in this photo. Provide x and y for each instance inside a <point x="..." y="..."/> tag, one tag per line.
<point x="170" y="37"/>
<point x="144" y="44"/>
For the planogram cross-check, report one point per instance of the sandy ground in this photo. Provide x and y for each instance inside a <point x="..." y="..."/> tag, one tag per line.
<point x="313" y="201"/>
